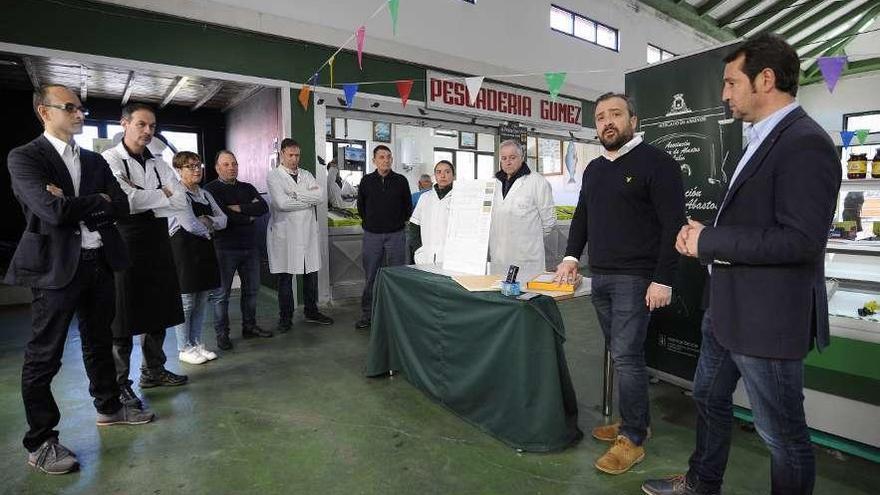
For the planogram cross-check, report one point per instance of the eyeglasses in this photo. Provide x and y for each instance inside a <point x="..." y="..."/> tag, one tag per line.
<point x="194" y="166"/>
<point x="69" y="108"/>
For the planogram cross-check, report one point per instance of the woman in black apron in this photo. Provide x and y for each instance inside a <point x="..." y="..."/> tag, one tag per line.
<point x="192" y="231"/>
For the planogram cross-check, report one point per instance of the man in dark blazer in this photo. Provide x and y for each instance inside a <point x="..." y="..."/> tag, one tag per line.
<point x="67" y="256"/>
<point x="767" y="305"/>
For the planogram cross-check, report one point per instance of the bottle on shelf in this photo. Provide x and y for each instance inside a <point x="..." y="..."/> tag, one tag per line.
<point x="875" y="165"/>
<point x="857" y="166"/>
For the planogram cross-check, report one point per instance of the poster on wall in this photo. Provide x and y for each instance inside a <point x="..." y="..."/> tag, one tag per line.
<point x="685" y="117"/>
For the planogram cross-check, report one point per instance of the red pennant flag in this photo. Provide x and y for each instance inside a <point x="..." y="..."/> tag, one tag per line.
<point x="304" y="96"/>
<point x="403" y="89"/>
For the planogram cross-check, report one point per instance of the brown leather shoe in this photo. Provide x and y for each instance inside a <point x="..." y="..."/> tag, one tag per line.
<point x="620" y="457"/>
<point x="608" y="433"/>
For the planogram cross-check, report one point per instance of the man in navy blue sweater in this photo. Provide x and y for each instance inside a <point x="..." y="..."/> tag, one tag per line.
<point x="630" y="209"/>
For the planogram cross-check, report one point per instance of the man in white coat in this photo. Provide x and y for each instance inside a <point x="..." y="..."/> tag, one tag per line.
<point x="522" y="215"/>
<point x="292" y="235"/>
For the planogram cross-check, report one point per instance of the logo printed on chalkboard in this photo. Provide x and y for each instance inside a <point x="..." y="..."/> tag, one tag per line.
<point x="678" y="105"/>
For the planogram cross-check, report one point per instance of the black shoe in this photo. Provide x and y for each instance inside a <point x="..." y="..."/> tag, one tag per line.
<point x="223" y="342"/>
<point x="363" y="323"/>
<point x="128" y="398"/>
<point x="255" y="331"/>
<point x="283" y="326"/>
<point x="675" y="485"/>
<point x="162" y="378"/>
<point x="318" y="318"/>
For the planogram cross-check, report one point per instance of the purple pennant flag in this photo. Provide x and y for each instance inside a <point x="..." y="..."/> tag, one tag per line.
<point x="350" y="90"/>
<point x="831" y="68"/>
<point x="846" y="137"/>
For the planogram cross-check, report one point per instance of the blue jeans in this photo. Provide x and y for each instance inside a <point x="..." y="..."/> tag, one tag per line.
<point x="247" y="263"/>
<point x="775" y="390"/>
<point x="623" y="315"/>
<point x="375" y="249"/>
<point x="285" y="295"/>
<point x="195" y="306"/>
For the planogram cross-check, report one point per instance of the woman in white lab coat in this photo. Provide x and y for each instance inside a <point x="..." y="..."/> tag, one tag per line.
<point x="428" y="221"/>
<point x="523" y="213"/>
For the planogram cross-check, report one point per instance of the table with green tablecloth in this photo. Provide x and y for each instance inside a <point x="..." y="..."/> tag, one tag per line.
<point x="495" y="361"/>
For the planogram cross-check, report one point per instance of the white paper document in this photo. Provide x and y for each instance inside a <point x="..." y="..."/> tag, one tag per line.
<point x="467" y="233"/>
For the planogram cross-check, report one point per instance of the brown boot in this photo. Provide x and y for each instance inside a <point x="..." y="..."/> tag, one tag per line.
<point x="620" y="457"/>
<point x="608" y="433"/>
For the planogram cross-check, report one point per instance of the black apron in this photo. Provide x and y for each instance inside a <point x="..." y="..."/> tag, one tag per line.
<point x="147" y="293"/>
<point x="197" y="268"/>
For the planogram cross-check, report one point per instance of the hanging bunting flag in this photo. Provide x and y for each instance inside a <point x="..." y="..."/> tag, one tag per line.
<point x="831" y="68"/>
<point x="846" y="137"/>
<point x="403" y="89"/>
<point x="313" y="81"/>
<point x="473" y="86"/>
<point x="862" y="135"/>
<point x="555" y="80"/>
<point x="571" y="162"/>
<point x="350" y="90"/>
<point x="393" y="6"/>
<point x="331" y="62"/>
<point x="304" y="94"/>
<point x="361" y="34"/>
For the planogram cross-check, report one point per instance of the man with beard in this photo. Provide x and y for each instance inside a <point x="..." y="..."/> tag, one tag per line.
<point x="630" y="209"/>
<point x="147" y="293"/>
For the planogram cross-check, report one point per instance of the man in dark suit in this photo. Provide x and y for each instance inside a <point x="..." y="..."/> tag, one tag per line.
<point x="67" y="256"/>
<point x="767" y="304"/>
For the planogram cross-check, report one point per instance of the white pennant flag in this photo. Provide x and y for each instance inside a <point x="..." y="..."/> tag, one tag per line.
<point x="473" y="87"/>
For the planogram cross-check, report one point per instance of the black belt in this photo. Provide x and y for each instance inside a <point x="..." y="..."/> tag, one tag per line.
<point x="91" y="254"/>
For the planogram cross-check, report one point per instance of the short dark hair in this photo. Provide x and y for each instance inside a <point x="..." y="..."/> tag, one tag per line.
<point x="131" y="108"/>
<point x="289" y="143"/>
<point x="41" y="97"/>
<point x="630" y="106"/>
<point x="380" y="148"/>
<point x="222" y="152"/>
<point x="183" y="157"/>
<point x="769" y="51"/>
<point x="445" y="162"/>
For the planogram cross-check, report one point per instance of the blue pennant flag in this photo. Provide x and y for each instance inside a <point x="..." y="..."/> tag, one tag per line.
<point x="350" y="90"/>
<point x="846" y="137"/>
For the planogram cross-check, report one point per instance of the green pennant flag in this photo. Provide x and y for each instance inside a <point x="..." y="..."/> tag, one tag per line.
<point x="555" y="80"/>
<point x="393" y="6"/>
<point x="862" y="135"/>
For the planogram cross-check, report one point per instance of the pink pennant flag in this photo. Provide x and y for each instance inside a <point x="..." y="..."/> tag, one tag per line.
<point x="361" y="35"/>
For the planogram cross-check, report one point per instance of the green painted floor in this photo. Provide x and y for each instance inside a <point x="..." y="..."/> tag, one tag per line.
<point x="294" y="414"/>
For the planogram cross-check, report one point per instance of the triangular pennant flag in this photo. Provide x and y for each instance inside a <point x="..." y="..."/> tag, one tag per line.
<point x="350" y="90"/>
<point x="473" y="86"/>
<point x="393" y="7"/>
<point x="846" y="137"/>
<point x="862" y="135"/>
<point x="555" y="80"/>
<point x="313" y="81"/>
<point x="331" y="62"/>
<point x="304" y="96"/>
<point x="831" y="68"/>
<point x="361" y="33"/>
<point x="403" y="89"/>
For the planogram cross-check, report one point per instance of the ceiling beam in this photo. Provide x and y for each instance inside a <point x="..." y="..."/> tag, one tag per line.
<point x="686" y="14"/>
<point x="244" y="95"/>
<point x="818" y="17"/>
<point x="852" y="14"/>
<point x="737" y="11"/>
<point x="129" y="86"/>
<point x="793" y="15"/>
<point x="707" y="6"/>
<point x="31" y="72"/>
<point x="765" y="15"/>
<point x="836" y="44"/>
<point x="83" y="83"/>
<point x="179" y="83"/>
<point x="212" y="92"/>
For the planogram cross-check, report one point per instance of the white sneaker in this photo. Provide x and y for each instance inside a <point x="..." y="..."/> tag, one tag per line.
<point x="209" y="355"/>
<point x="191" y="355"/>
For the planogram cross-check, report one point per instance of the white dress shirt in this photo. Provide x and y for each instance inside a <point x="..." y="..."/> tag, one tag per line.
<point x="69" y="153"/>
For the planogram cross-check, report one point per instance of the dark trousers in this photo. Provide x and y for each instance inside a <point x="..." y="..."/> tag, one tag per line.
<point x="91" y="296"/>
<point x="247" y="263"/>
<point x="285" y="295"/>
<point x="623" y="315"/>
<point x="375" y="249"/>
<point x="775" y="391"/>
<point x="154" y="355"/>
